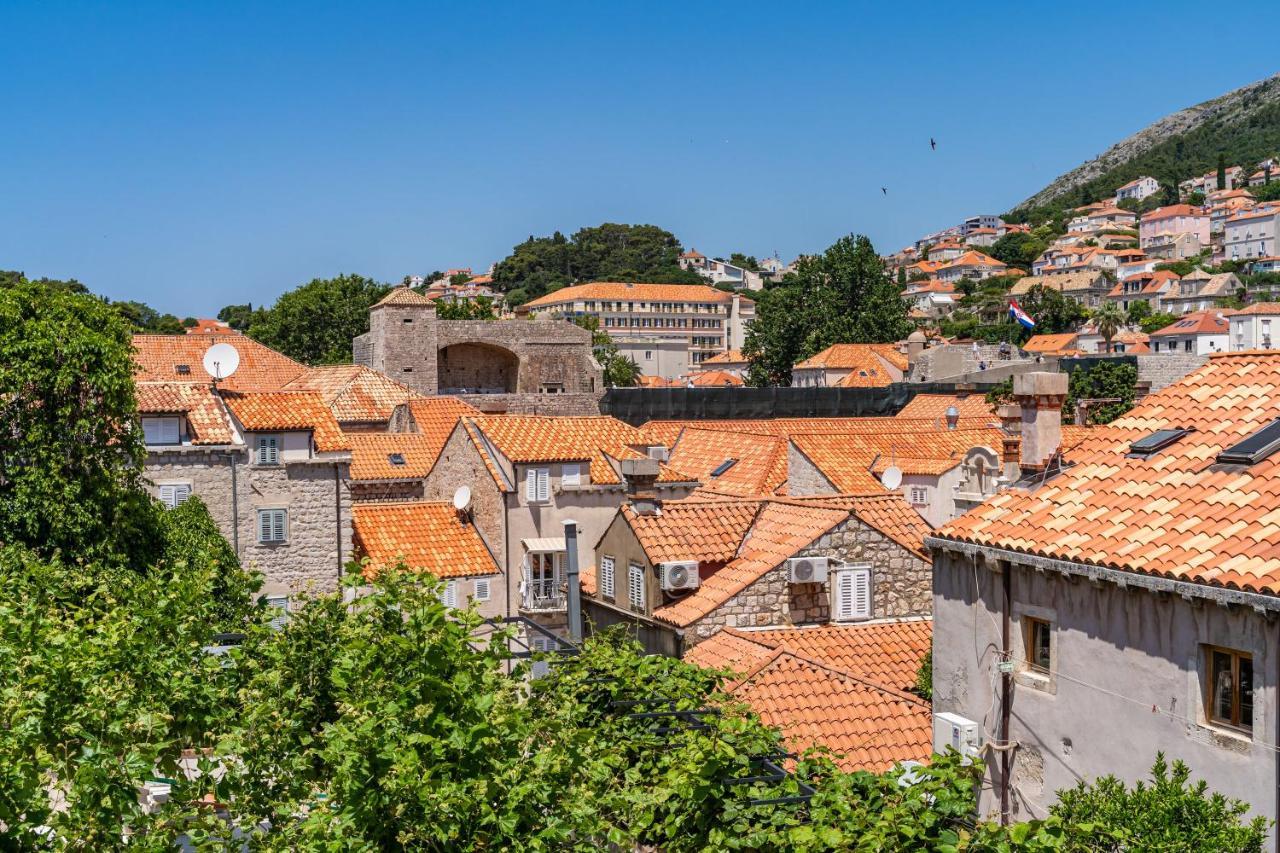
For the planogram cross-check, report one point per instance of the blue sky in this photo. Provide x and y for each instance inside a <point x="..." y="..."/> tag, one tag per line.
<point x="194" y="155"/>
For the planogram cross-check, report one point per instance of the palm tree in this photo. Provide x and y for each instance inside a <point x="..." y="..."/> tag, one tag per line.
<point x="1109" y="318"/>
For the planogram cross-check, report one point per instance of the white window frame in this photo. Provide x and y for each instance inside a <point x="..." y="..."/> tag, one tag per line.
<point x="273" y="537"/>
<point x="173" y="494"/>
<point x="267" y="450"/>
<point x="482" y="589"/>
<point x="918" y="495"/>
<point x="537" y="485"/>
<point x="635" y="586"/>
<point x="607" y="568"/>
<point x="851" y="594"/>
<point x="280" y="602"/>
<point x="571" y="474"/>
<point x="161" y="430"/>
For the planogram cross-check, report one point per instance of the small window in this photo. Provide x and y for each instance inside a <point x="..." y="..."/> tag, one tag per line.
<point x="482" y="589"/>
<point x="919" y="495"/>
<point x="174" y="493"/>
<point x="395" y="458"/>
<point x="182" y="369"/>
<point x="449" y="594"/>
<point x="853" y="594"/>
<point x="1229" y="689"/>
<point x="1038" y="644"/>
<point x="606" y="576"/>
<point x="160" y="430"/>
<point x="723" y="466"/>
<point x="1158" y="440"/>
<point x="1255" y="448"/>
<point x="537" y="485"/>
<point x="273" y="525"/>
<point x="279" y="603"/>
<point x="268" y="450"/>
<point x="571" y="474"/>
<point x="635" y="586"/>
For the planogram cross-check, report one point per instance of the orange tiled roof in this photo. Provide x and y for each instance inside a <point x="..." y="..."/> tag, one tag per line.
<point x="779" y="531"/>
<point x="657" y="382"/>
<point x="288" y="410"/>
<point x="856" y="356"/>
<point x="205" y="326"/>
<point x="732" y="356"/>
<point x="715" y="379"/>
<point x="760" y="469"/>
<point x="708" y="531"/>
<point x="1171" y="210"/>
<point x="371" y="454"/>
<point x="934" y="406"/>
<point x="426" y="535"/>
<point x="354" y="392"/>
<point x="1050" y="344"/>
<point x="847" y="459"/>
<point x="870" y="726"/>
<point x="888" y="653"/>
<point x="1176" y="513"/>
<point x="614" y="291"/>
<point x="975" y="259"/>
<point x="406" y="296"/>
<point x="206" y="418"/>
<point x="887" y="512"/>
<point x="1268" y="308"/>
<point x="1199" y="323"/>
<point x="159" y="358"/>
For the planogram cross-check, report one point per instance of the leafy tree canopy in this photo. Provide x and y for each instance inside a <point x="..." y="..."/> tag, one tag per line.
<point x="620" y="371"/>
<point x="747" y="262"/>
<point x="1102" y="380"/>
<point x="315" y="323"/>
<point x="241" y="317"/>
<point x="480" y="308"/>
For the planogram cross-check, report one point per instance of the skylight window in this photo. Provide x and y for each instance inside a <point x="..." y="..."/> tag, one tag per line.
<point x="1255" y="448"/>
<point x="1158" y="440"/>
<point x="395" y="458"/>
<point x="182" y="368"/>
<point x="723" y="466"/>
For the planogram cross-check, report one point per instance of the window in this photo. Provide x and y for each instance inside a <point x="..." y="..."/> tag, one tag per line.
<point x="606" y="576"/>
<point x="571" y="474"/>
<point x="1187" y="345"/>
<point x="919" y="495"/>
<point x="1038" y="644"/>
<point x="635" y="586"/>
<point x="268" y="450"/>
<point x="272" y="525"/>
<point x="160" y="430"/>
<point x="853" y="594"/>
<point x="449" y="594"/>
<point x="648" y="355"/>
<point x="174" y="493"/>
<point x="482" y="589"/>
<point x="281" y="604"/>
<point x="1229" y="688"/>
<point x="537" y="485"/>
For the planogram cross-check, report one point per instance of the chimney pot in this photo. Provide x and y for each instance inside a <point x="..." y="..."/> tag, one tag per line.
<point x="641" y="475"/>
<point x="1040" y="396"/>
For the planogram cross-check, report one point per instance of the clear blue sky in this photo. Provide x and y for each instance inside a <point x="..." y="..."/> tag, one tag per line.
<point x="193" y="155"/>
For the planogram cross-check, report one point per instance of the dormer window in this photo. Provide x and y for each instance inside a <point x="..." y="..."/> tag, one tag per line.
<point x="158" y="431"/>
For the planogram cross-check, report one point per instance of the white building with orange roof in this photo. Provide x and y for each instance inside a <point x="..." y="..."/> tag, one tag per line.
<point x="1256" y="327"/>
<point x="678" y="574"/>
<point x="851" y="365"/>
<point x="1137" y="189"/>
<point x="933" y="298"/>
<point x="1124" y="605"/>
<point x="730" y="361"/>
<point x="971" y="264"/>
<point x="1148" y="287"/>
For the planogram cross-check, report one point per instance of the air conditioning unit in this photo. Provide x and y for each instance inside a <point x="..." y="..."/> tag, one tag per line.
<point x="960" y="733"/>
<point x="679" y="575"/>
<point x="657" y="451"/>
<point x="807" y="570"/>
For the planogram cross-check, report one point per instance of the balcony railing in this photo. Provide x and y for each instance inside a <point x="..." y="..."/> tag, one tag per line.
<point x="542" y="595"/>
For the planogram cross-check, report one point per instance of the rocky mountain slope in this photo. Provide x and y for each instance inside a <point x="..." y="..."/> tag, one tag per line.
<point x="1244" y="125"/>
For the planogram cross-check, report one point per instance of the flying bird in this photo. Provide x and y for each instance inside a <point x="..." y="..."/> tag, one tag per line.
<point x="933" y="143"/>
<point x="884" y="190"/>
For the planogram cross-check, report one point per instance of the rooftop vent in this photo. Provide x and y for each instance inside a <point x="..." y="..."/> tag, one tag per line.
<point x="1158" y="440"/>
<point x="182" y="368"/>
<point x="395" y="458"/>
<point x="723" y="466"/>
<point x="1255" y="448"/>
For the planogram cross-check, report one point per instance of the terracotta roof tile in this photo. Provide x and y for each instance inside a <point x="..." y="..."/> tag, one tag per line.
<point x="403" y="296"/>
<point x="288" y="410"/>
<point x="1199" y="323"/>
<point x="160" y="357"/>
<point x="614" y="291"/>
<point x="715" y="379"/>
<point x="848" y="460"/>
<point x="856" y="356"/>
<point x="708" y="531"/>
<point x="428" y="536"/>
<point x="1050" y="344"/>
<point x="372" y="454"/>
<point x="760" y="467"/>
<point x="206" y="418"/>
<point x="732" y="356"/>
<point x="1176" y="513"/>
<point x="1270" y="309"/>
<point x="354" y="392"/>
<point x="934" y="406"/>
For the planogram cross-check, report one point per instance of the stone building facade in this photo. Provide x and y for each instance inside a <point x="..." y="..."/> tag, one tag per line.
<point x="521" y="366"/>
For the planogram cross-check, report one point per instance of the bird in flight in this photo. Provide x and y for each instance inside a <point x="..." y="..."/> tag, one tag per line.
<point x="933" y="143"/>
<point x="884" y="190"/>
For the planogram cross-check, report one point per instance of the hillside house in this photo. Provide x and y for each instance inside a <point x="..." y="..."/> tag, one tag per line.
<point x="1137" y="189"/>
<point x="1201" y="333"/>
<point x="1252" y="328"/>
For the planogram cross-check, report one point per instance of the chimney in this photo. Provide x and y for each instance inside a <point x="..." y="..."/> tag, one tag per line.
<point x="1010" y="415"/>
<point x="916" y="343"/>
<point x="640" y="476"/>
<point x="1040" y="396"/>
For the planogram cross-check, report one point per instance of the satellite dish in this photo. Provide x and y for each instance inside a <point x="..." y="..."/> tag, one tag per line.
<point x="892" y="477"/>
<point x="221" y="360"/>
<point x="462" y="499"/>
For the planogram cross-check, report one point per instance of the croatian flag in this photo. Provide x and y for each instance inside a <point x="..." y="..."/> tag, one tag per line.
<point x="1016" y="312"/>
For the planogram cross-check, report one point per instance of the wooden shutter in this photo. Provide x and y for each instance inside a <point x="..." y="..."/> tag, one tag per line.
<point x="853" y="594"/>
<point x="181" y="492"/>
<point x="277" y="525"/>
<point x="151" y="430"/>
<point x="531" y="485"/>
<point x="268" y="450"/>
<point x="281" y="603"/>
<point x="482" y="589"/>
<point x="264" y="525"/>
<point x="544" y="484"/>
<point x="449" y="595"/>
<point x="606" y="576"/>
<point x="167" y="497"/>
<point x="635" y="586"/>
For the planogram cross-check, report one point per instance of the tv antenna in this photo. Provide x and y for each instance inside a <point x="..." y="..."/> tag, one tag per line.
<point x="221" y="361"/>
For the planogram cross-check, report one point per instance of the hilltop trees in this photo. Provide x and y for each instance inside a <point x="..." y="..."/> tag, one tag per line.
<point x="840" y="296"/>
<point x="315" y="323"/>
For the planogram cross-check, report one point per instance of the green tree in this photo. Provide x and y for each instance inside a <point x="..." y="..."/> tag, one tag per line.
<point x="240" y="317"/>
<point x="747" y="262"/>
<point x="315" y="323"/>
<point x="1053" y="312"/>
<point x="71" y="451"/>
<point x="1156" y="322"/>
<point x="12" y="278"/>
<point x="1104" y="380"/>
<point x="480" y="308"/>
<point x="144" y="319"/>
<point x="1196" y="199"/>
<point x="1222" y="171"/>
<point x="619" y="371"/>
<point x="1110" y="319"/>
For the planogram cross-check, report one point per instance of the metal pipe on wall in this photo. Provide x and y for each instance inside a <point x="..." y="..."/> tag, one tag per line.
<point x="574" y="597"/>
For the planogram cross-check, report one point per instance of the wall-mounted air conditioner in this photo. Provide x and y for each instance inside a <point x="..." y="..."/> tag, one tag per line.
<point x="807" y="569"/>
<point x="657" y="451"/>
<point x="679" y="575"/>
<point x="960" y="733"/>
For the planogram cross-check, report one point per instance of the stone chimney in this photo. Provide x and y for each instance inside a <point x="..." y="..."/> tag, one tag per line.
<point x="1010" y="415"/>
<point x="641" y="475"/>
<point x="1040" y="396"/>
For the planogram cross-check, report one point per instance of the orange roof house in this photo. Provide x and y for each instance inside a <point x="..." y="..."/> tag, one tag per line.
<point x="852" y="366"/>
<point x="285" y="411"/>
<point x="178" y="358"/>
<point x="423" y="535"/>
<point x="205" y="326"/>
<point x="206" y="418"/>
<point x="615" y="291"/>
<point x="1051" y="344"/>
<point x="360" y="397"/>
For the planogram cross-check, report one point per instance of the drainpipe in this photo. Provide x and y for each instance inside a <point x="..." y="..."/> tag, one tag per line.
<point x="235" y="507"/>
<point x="506" y="548"/>
<point x="574" y="598"/>
<point x="337" y="517"/>
<point x="1006" y="688"/>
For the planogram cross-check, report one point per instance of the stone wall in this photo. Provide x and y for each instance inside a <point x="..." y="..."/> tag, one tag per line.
<point x="947" y="362"/>
<point x="1167" y="368"/>
<point x="803" y="477"/>
<point x="406" y="490"/>
<point x="460" y="464"/>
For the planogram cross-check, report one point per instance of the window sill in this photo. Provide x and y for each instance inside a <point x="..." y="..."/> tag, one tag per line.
<point x="273" y="544"/>
<point x="1036" y="681"/>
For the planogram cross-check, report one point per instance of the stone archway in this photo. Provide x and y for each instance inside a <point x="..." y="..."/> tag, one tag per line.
<point x="476" y="368"/>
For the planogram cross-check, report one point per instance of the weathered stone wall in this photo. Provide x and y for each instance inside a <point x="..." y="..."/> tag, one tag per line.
<point x="406" y="490"/>
<point x="803" y="477"/>
<point x="319" y="533"/>
<point x="460" y="464"/>
<point x="948" y="362"/>
<point x="479" y="368"/>
<point x="1167" y="368"/>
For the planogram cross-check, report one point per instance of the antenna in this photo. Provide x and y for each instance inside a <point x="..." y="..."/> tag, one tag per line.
<point x="462" y="498"/>
<point x="892" y="477"/>
<point x="220" y="361"/>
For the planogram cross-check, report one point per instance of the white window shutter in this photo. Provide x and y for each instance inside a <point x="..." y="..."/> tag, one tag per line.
<point x="168" y="430"/>
<point x="482" y="589"/>
<point x="571" y="474"/>
<point x="449" y="595"/>
<point x="860" y="581"/>
<point x="531" y="485"/>
<point x="151" y="430"/>
<point x="606" y="576"/>
<point x="167" y="496"/>
<point x="544" y="484"/>
<point x="844" y="595"/>
<point x="264" y="526"/>
<point x="181" y="492"/>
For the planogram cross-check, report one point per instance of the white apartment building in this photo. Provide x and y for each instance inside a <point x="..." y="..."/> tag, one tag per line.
<point x="1252" y="234"/>
<point x="1138" y="189"/>
<point x="1256" y="327"/>
<point x="721" y="272"/>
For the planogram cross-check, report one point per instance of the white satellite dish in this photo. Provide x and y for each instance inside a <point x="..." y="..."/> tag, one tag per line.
<point x="462" y="498"/>
<point x="221" y="360"/>
<point x="892" y="477"/>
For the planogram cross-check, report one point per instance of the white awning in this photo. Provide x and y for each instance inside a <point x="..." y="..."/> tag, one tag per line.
<point x="549" y="545"/>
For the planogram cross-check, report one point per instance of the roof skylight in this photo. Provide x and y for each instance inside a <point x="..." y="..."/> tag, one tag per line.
<point x="395" y="458"/>
<point x="1157" y="440"/>
<point x="723" y="466"/>
<point x="1255" y="448"/>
